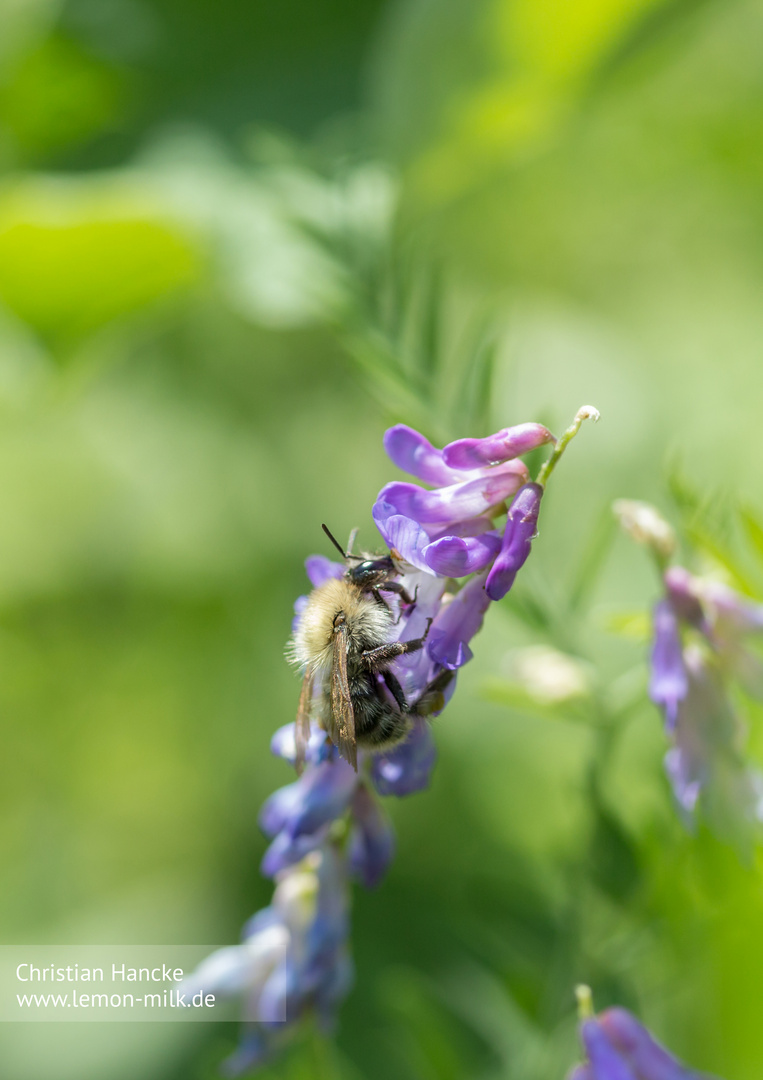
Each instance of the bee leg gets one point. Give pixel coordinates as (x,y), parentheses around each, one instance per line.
(393,685)
(377,660)
(402,592)
(432,698)
(380,599)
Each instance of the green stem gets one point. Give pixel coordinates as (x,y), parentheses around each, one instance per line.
(585,412)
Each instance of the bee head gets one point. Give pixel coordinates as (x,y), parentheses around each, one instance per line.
(366,573)
(370,572)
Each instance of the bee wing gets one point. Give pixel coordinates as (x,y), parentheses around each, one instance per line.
(343,714)
(302,723)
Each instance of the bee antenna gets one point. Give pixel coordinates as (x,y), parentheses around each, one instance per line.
(335,542)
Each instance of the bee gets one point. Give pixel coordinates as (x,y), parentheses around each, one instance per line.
(342,641)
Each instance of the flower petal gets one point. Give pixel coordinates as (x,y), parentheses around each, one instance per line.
(372,843)
(319,796)
(506,444)
(607,1063)
(456,556)
(299,606)
(681,588)
(414,454)
(651,1061)
(286,850)
(402,534)
(517,540)
(455,503)
(732,610)
(457,623)
(283,744)
(407,767)
(669,682)
(320,570)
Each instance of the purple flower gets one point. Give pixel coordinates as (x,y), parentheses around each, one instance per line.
(372,841)
(454,550)
(700,628)
(320,569)
(447,506)
(284,745)
(408,767)
(298,816)
(293,957)
(705,758)
(456,624)
(669,681)
(414,454)
(506,444)
(618,1047)
(517,540)
(329,825)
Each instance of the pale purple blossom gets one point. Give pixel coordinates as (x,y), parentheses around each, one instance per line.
(669,682)
(406,768)
(372,839)
(618,1047)
(293,958)
(700,642)
(456,624)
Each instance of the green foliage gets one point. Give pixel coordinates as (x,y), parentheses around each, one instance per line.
(70,264)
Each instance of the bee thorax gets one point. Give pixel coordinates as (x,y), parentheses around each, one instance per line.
(338,606)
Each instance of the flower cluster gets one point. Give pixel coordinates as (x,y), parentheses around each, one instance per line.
(700,632)
(618,1047)
(293,957)
(328,827)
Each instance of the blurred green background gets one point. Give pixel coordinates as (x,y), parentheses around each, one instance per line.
(239,239)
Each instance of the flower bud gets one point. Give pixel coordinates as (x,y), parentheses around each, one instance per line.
(517,540)
(645,525)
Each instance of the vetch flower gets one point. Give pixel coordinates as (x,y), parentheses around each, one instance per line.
(372,839)
(293,958)
(509,443)
(706,757)
(669,682)
(408,767)
(298,816)
(451,557)
(521,529)
(618,1047)
(456,623)
(701,628)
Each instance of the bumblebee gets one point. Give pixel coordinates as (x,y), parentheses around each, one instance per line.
(343,643)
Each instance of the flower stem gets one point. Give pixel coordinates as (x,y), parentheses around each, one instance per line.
(585,1001)
(585,412)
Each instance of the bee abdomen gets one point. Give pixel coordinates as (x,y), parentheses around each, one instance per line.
(378,723)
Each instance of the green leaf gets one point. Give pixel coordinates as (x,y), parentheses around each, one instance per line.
(753,530)
(71,262)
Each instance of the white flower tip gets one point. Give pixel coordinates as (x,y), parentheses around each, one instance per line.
(548,676)
(644,524)
(588,412)
(584,999)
